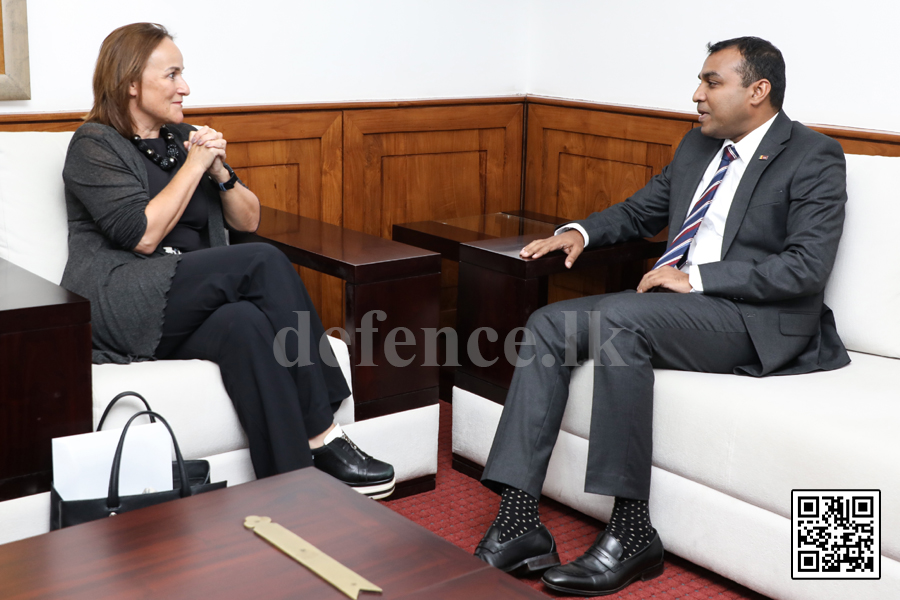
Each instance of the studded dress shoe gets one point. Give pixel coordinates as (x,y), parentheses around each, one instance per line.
(599,571)
(532,552)
(343,460)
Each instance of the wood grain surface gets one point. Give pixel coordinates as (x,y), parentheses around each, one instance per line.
(198,548)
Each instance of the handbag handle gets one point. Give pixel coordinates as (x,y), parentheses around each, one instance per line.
(116,399)
(112,500)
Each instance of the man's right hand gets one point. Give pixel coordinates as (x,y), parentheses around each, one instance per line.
(571,242)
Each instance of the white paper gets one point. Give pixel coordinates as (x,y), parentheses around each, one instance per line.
(82,463)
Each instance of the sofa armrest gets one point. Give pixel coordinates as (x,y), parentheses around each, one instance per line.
(381,275)
(45,376)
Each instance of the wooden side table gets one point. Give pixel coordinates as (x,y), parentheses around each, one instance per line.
(498,289)
(401,281)
(45,376)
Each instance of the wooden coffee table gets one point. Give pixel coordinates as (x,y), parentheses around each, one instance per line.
(198,548)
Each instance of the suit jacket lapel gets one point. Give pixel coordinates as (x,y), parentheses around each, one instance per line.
(694,170)
(770,147)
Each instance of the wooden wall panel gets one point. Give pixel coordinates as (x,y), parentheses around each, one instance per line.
(369,165)
(581,161)
(417,164)
(293,162)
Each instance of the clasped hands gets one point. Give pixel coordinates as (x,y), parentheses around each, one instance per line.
(571,242)
(208,145)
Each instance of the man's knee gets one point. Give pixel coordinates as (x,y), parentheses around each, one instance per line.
(617,310)
(547,321)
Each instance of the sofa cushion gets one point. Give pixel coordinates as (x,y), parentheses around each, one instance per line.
(863,299)
(34,230)
(757,439)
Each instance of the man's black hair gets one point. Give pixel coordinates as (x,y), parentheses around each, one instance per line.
(762,60)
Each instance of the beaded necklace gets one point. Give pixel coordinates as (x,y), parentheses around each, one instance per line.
(165,163)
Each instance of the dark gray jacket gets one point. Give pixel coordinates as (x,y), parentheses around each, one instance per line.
(106,193)
(780,241)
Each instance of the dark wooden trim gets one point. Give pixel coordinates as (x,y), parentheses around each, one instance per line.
(852,133)
(411,487)
(503,255)
(436,237)
(536,216)
(350,255)
(835,131)
(67,118)
(394,404)
(656,113)
(360,105)
(467,467)
(270,108)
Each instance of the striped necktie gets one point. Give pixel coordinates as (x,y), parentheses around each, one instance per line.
(677,251)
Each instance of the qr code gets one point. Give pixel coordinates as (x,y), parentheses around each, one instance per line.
(836,534)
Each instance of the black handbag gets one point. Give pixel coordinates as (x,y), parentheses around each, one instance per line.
(64,513)
(197,470)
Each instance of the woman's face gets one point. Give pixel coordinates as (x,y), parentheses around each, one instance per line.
(156,100)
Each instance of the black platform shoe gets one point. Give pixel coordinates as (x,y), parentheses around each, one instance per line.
(599,571)
(344,461)
(532,552)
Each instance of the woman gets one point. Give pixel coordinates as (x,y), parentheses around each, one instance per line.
(148,200)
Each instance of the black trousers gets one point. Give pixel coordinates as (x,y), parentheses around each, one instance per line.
(226,305)
(633,333)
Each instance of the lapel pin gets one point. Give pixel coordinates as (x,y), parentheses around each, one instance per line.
(763,157)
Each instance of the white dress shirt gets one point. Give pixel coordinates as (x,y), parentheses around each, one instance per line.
(706,246)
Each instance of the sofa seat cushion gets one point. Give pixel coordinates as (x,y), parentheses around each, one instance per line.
(758,439)
(191,397)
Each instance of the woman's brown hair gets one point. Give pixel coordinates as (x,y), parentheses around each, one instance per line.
(123,56)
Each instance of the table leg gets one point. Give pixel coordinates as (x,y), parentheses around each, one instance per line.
(500,302)
(379,387)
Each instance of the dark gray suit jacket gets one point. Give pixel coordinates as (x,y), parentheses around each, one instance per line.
(781,238)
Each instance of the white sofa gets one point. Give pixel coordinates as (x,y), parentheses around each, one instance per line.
(190,394)
(728,450)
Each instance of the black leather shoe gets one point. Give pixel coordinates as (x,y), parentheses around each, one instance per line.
(341,459)
(598,571)
(532,552)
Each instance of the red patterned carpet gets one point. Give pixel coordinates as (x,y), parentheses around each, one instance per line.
(461,509)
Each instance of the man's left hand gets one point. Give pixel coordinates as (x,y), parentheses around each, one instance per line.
(668,278)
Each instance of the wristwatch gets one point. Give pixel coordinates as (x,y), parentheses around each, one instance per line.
(224,187)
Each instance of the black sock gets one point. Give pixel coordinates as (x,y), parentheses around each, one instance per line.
(630,524)
(518,514)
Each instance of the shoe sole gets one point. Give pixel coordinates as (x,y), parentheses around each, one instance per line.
(376,491)
(535,564)
(645,575)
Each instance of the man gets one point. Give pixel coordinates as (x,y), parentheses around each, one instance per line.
(755,206)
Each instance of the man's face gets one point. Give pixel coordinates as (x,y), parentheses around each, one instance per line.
(722,101)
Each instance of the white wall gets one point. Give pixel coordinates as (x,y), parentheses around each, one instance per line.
(842,57)
(289,51)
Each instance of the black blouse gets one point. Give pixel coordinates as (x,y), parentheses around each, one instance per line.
(190,233)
